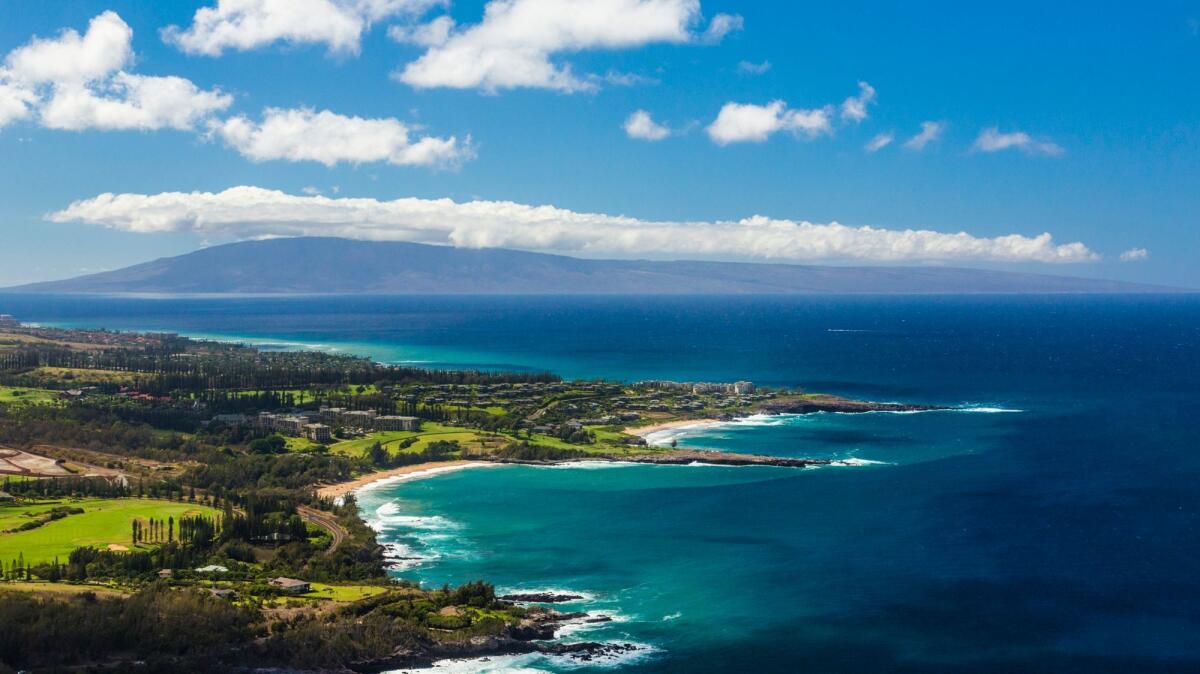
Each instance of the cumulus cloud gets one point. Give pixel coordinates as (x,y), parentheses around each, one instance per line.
(880,141)
(329,138)
(992,140)
(642,126)
(741,123)
(243,25)
(79,82)
(751,68)
(252,212)
(133,102)
(720,26)
(1135,255)
(15,102)
(517,42)
(930,131)
(854,108)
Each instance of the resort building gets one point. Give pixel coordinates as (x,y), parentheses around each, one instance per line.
(359,419)
(331,415)
(397,423)
(318,433)
(7,321)
(293,426)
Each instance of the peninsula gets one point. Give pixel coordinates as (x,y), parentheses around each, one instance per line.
(213,484)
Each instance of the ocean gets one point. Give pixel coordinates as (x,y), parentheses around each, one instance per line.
(1051,522)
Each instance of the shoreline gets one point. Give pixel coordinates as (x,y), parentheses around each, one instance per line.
(643,431)
(340,489)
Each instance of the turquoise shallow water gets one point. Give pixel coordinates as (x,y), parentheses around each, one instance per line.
(1060,537)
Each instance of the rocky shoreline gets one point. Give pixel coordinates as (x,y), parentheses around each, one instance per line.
(811,404)
(531,635)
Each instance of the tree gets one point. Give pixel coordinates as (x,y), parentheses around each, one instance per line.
(272,444)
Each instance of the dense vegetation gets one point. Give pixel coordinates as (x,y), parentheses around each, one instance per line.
(159,420)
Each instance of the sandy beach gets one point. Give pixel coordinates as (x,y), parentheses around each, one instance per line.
(643,431)
(342,488)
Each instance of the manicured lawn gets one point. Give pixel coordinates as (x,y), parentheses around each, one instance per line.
(429,433)
(34,396)
(300,444)
(343,592)
(104,522)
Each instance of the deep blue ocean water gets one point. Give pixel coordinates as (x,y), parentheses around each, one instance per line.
(1059,535)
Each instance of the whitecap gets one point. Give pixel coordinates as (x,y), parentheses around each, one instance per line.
(590,465)
(859,462)
(585,595)
(420,475)
(988,410)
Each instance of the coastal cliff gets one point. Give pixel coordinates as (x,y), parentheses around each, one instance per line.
(819,402)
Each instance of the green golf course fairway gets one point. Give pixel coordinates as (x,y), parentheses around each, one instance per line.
(103,522)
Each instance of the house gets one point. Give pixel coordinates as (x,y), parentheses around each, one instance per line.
(318,433)
(165,573)
(212,568)
(5,497)
(222,593)
(291,585)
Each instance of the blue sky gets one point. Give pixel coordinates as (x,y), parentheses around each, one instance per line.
(1047,119)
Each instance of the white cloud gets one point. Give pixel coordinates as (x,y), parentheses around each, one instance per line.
(132,102)
(854,108)
(329,138)
(429,34)
(880,141)
(516,43)
(15,102)
(642,126)
(720,26)
(74,59)
(992,140)
(930,131)
(1135,255)
(739,123)
(252,212)
(80,82)
(244,25)
(751,68)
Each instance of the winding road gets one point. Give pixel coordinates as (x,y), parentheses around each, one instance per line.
(327,522)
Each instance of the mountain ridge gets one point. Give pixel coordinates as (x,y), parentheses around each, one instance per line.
(326,265)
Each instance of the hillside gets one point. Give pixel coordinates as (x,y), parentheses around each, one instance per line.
(330,265)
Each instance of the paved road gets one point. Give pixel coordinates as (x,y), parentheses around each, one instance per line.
(328,523)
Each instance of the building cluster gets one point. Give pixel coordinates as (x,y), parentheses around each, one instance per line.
(318,425)
(699,388)
(7,321)
(514,395)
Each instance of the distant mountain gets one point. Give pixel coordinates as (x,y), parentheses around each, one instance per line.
(328,265)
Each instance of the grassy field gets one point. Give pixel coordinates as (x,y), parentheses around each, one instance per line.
(35,396)
(343,592)
(300,444)
(104,522)
(60,588)
(83,376)
(430,432)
